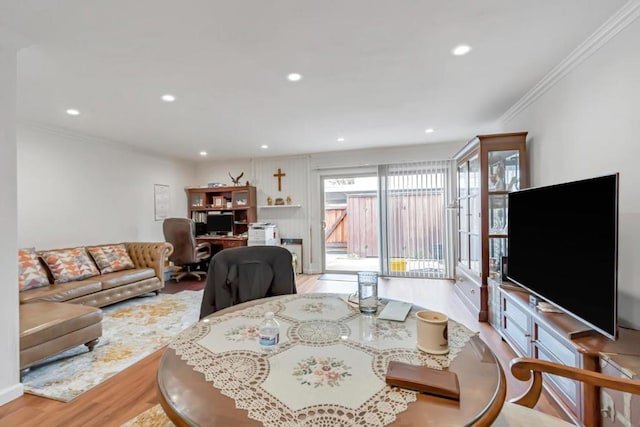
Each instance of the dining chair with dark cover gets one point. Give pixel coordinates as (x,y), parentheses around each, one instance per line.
(187,253)
(237,275)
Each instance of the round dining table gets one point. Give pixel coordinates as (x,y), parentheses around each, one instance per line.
(328,369)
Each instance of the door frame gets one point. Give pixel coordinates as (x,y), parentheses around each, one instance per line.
(356,172)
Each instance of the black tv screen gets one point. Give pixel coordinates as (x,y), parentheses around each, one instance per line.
(563,247)
(219,223)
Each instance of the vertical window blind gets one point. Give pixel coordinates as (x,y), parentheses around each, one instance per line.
(414,223)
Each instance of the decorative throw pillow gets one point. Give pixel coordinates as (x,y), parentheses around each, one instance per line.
(31,273)
(111,258)
(67,265)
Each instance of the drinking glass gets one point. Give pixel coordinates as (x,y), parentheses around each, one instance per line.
(368,291)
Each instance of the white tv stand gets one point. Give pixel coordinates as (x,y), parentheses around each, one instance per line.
(560,338)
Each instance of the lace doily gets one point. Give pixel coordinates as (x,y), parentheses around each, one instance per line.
(329,367)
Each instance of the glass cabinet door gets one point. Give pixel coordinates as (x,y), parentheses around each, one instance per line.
(463,214)
(474,175)
(504,170)
(197,200)
(498,214)
(463,180)
(240,199)
(497,249)
(475,223)
(504,177)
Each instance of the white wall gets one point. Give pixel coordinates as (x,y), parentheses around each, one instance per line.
(588,125)
(74,190)
(292,222)
(10,386)
(218,171)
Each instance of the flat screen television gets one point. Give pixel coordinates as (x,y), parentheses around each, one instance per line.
(220,224)
(563,247)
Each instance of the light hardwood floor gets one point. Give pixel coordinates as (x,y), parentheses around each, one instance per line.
(133,391)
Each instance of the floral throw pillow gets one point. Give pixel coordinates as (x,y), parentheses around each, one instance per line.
(111,258)
(31,274)
(67,265)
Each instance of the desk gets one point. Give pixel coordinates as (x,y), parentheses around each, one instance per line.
(329,370)
(223,241)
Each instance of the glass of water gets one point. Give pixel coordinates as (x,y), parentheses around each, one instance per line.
(368,291)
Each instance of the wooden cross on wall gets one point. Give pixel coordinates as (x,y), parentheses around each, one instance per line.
(279,175)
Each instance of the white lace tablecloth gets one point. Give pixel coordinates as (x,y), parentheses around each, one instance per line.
(329,368)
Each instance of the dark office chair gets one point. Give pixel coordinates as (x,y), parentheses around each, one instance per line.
(187,253)
(246,273)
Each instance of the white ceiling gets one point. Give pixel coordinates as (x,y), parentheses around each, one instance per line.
(376,72)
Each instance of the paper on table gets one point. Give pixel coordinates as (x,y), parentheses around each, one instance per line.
(395,310)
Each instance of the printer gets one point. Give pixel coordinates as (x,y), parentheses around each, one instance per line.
(263,234)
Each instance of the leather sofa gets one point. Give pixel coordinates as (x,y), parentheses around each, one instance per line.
(109,288)
(60,316)
(48,328)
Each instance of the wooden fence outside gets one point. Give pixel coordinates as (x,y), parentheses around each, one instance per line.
(416,231)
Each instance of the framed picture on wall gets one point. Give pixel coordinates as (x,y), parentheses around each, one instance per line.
(161,199)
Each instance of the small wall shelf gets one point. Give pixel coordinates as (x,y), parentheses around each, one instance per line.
(278,206)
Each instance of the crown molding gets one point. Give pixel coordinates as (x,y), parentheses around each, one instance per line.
(614,25)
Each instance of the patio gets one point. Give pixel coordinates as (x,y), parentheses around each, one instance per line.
(343,262)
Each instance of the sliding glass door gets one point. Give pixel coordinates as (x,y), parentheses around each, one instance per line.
(414,219)
(392,220)
(350,222)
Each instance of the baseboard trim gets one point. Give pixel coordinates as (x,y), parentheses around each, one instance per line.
(11,393)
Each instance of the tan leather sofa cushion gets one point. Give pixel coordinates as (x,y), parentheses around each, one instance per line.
(44,321)
(124,277)
(62,291)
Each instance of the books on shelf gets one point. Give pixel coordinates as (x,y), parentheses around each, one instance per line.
(199,216)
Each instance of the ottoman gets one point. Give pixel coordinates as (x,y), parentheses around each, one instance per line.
(48,328)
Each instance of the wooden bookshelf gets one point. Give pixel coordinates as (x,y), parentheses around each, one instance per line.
(238,201)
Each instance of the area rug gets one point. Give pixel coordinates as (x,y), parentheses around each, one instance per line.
(152,417)
(131,330)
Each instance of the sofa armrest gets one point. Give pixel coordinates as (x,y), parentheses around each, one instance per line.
(150,255)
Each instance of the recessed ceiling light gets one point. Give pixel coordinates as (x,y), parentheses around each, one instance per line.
(294,77)
(460,50)
(340,139)
(264,146)
(430,130)
(168,97)
(73,112)
(203,153)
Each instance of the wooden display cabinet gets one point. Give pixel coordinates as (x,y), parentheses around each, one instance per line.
(488,168)
(238,201)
